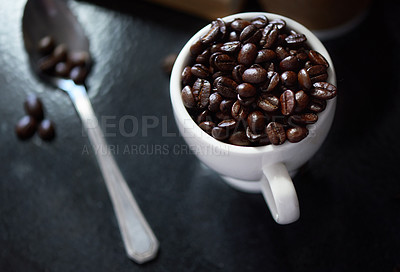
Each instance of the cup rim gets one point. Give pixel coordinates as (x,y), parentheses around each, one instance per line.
(181,112)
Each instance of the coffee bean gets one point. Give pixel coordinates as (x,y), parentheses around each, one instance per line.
(265,55)
(246,101)
(254,75)
(317,73)
(204,116)
(225,86)
(233,36)
(82,58)
(247,54)
(269,36)
(323,90)
(239,24)
(290,63)
(60,53)
(46,130)
(226,106)
(237,72)
(256,121)
(227,124)
(250,34)
(260,21)
(246,90)
(47,64)
(196,48)
(271,83)
(304,119)
(207,126)
(231,47)
(295,39)
(239,138)
(289,79)
(188,97)
(288,102)
(316,105)
(279,23)
(302,100)
(46,45)
(281,53)
(204,57)
(296,134)
(268,103)
(200,70)
(276,133)
(34,107)
(26,127)
(220,74)
(220,133)
(304,79)
(254,137)
(223,31)
(187,78)
(317,58)
(222,62)
(239,112)
(62,69)
(215,100)
(201,91)
(78,74)
(212,34)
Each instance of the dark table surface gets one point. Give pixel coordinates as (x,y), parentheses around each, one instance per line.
(55,213)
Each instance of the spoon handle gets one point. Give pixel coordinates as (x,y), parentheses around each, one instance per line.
(140,242)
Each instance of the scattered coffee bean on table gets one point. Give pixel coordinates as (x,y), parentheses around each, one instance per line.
(255,82)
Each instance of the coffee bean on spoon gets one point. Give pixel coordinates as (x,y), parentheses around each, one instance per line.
(78,74)
(34,107)
(26,127)
(46,130)
(46,45)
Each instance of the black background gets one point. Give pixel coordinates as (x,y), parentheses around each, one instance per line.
(55,213)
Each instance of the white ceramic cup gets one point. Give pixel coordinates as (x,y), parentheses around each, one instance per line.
(255,169)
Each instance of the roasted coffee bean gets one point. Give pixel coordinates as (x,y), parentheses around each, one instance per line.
(247,54)
(26,127)
(270,67)
(289,79)
(220,133)
(317,73)
(307,65)
(231,47)
(302,100)
(237,72)
(279,23)
(304,119)
(207,126)
(239,112)
(254,75)
(233,36)
(222,62)
(295,39)
(223,115)
(62,69)
(288,102)
(219,74)
(216,48)
(271,83)
(290,63)
(227,124)
(268,103)
(239,138)
(269,36)
(265,55)
(316,105)
(281,53)
(196,48)
(60,53)
(204,57)
(302,57)
(239,24)
(46,45)
(246,101)
(187,78)
(225,86)
(212,33)
(296,134)
(256,121)
(222,28)
(260,21)
(200,71)
(78,74)
(47,64)
(246,90)
(46,130)
(34,107)
(323,90)
(317,58)
(204,116)
(226,106)
(276,133)
(188,97)
(82,58)
(250,34)
(215,100)
(304,79)
(254,137)
(201,91)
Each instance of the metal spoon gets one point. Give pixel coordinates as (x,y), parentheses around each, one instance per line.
(53,17)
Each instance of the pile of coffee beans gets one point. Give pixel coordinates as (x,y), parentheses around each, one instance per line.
(58,61)
(255,82)
(34,121)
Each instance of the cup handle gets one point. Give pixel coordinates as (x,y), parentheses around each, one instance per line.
(280,194)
